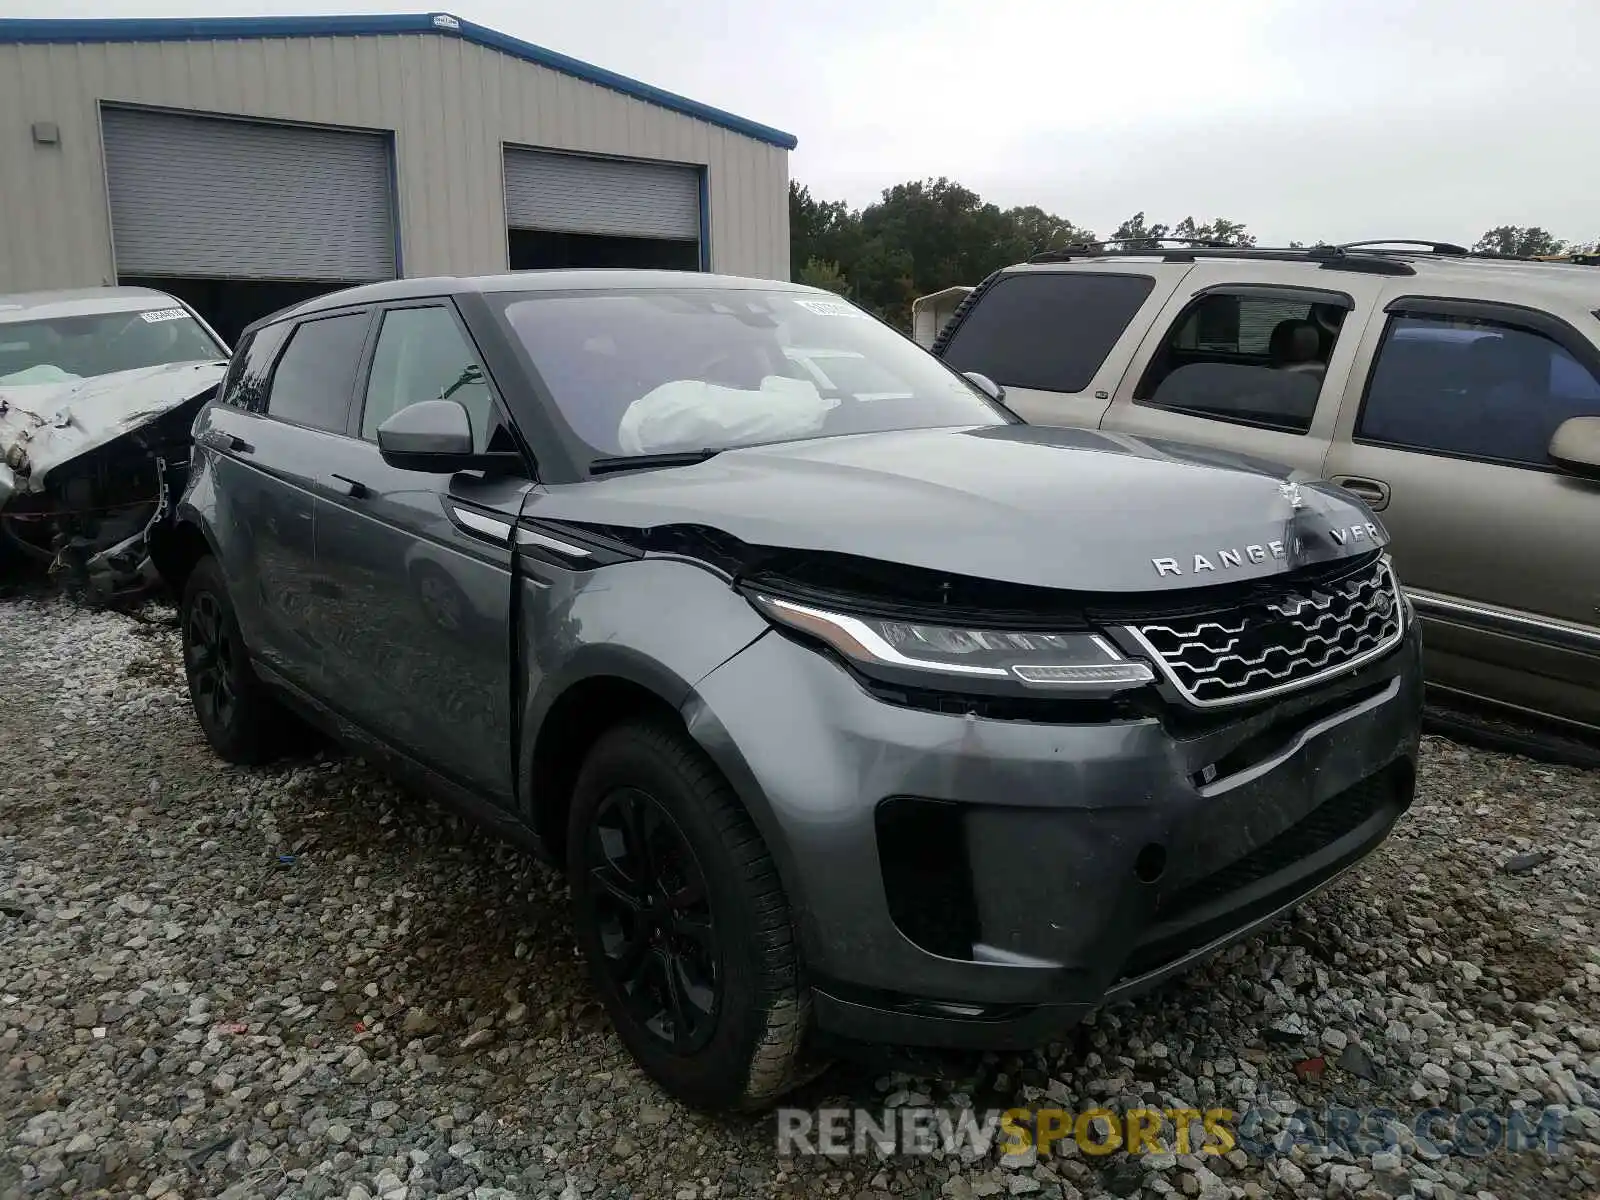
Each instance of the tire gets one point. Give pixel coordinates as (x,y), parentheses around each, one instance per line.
(241,720)
(720,913)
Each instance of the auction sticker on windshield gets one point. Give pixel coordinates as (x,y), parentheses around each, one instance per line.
(831,308)
(163,314)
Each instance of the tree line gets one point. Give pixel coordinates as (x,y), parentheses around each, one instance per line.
(930,234)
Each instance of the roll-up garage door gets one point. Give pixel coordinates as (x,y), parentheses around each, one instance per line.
(569,193)
(208,197)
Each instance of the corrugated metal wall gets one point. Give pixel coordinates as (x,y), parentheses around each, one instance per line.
(451,105)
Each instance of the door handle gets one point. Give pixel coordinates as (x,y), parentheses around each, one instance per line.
(353,488)
(1373,492)
(217,439)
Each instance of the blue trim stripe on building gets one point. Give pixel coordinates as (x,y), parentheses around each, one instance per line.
(183,29)
(705,218)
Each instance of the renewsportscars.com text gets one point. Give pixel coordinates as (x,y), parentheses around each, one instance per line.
(1214,1131)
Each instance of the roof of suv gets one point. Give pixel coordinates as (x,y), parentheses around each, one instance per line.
(565,279)
(1490,276)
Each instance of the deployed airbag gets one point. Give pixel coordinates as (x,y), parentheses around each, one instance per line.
(690,413)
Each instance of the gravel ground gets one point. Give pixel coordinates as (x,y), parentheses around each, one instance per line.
(299,982)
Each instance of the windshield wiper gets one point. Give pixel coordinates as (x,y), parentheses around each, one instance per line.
(643,462)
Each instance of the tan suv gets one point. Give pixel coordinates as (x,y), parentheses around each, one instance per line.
(1458,395)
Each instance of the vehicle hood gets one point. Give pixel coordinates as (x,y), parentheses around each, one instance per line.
(43,425)
(1070,509)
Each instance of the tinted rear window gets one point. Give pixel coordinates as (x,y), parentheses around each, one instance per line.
(1047,330)
(313,380)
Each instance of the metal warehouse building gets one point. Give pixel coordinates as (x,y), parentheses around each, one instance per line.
(244,164)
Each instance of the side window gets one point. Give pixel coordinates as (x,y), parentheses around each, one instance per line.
(1048,330)
(1249,358)
(423,355)
(246,383)
(229,392)
(312,383)
(1473,388)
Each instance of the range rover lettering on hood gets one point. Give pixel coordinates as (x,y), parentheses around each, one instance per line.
(1261,551)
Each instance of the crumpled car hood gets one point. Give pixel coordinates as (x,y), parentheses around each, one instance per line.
(1072,509)
(45,425)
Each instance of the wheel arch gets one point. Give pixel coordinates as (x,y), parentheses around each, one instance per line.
(560,732)
(176,548)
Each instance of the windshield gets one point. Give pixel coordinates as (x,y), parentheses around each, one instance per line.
(64,349)
(653,371)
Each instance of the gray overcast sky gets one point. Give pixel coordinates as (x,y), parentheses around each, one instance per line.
(1336,120)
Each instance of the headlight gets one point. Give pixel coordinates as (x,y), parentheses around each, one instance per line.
(1063,661)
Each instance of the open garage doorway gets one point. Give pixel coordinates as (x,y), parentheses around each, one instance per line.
(228,305)
(538,249)
(574,210)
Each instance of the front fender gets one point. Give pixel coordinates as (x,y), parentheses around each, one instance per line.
(662,624)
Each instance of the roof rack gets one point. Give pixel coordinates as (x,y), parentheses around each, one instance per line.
(1149,239)
(1331,258)
(1431,247)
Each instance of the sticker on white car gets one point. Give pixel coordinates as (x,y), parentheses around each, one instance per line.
(831,308)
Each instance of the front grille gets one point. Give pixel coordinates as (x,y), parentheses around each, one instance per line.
(1295,638)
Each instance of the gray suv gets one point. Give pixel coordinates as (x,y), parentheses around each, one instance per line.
(855,709)
(1458,395)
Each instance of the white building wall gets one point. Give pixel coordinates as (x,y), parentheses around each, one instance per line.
(450,104)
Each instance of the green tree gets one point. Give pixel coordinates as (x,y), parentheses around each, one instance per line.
(821,273)
(1229,233)
(1037,230)
(925,235)
(824,230)
(1135,230)
(1519,241)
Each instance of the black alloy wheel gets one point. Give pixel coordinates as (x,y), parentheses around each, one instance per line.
(683,921)
(653,915)
(242,721)
(212,659)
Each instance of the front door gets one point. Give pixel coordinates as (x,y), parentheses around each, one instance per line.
(1499,547)
(418,625)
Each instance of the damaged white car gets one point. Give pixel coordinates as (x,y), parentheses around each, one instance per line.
(98,390)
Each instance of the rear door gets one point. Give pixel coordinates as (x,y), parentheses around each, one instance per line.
(418,622)
(275,437)
(1250,357)
(1058,339)
(1453,406)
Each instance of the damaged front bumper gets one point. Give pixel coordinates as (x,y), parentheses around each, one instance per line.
(89,471)
(968,882)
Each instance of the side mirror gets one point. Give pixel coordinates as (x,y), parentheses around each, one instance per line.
(987,386)
(430,435)
(1576,446)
